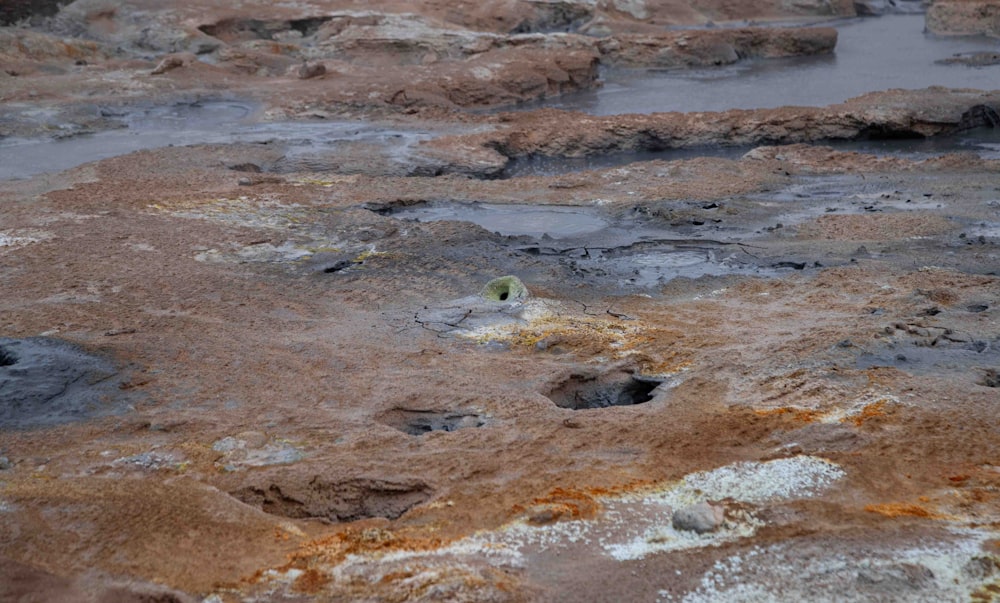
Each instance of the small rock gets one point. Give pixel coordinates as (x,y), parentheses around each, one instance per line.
(171,62)
(307,71)
(5,463)
(545,514)
(701,518)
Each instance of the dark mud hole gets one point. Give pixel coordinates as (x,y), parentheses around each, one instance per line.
(585,390)
(336,501)
(45,382)
(420,422)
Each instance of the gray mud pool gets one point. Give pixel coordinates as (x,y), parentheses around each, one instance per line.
(872,54)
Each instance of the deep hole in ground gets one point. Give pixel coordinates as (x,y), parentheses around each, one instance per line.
(343,500)
(339,266)
(419,422)
(583,391)
(7,358)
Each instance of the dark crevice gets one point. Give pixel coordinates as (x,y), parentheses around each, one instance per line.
(7,358)
(979,116)
(230,30)
(308,26)
(339,266)
(884,133)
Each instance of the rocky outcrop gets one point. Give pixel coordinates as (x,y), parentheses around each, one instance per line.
(891,114)
(137,29)
(20,46)
(964,17)
(697,48)
(403,57)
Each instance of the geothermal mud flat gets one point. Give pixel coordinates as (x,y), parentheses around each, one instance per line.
(433,301)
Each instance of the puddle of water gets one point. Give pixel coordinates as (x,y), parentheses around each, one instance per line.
(984,142)
(557,222)
(872,54)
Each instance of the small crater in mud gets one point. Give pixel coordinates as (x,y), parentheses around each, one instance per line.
(7,358)
(346,500)
(339,266)
(583,391)
(419,422)
(991,378)
(977,308)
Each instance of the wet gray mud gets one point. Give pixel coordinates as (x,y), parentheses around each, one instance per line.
(557,222)
(938,355)
(746,235)
(877,53)
(343,147)
(45,382)
(589,244)
(346,147)
(588,390)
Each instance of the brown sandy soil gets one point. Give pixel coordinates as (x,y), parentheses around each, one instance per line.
(312,399)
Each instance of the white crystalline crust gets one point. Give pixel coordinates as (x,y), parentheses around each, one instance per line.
(919,572)
(631,526)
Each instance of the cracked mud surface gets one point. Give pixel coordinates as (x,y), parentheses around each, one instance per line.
(259,339)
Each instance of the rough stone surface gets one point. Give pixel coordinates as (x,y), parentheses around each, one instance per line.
(895,113)
(701,518)
(715,47)
(964,17)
